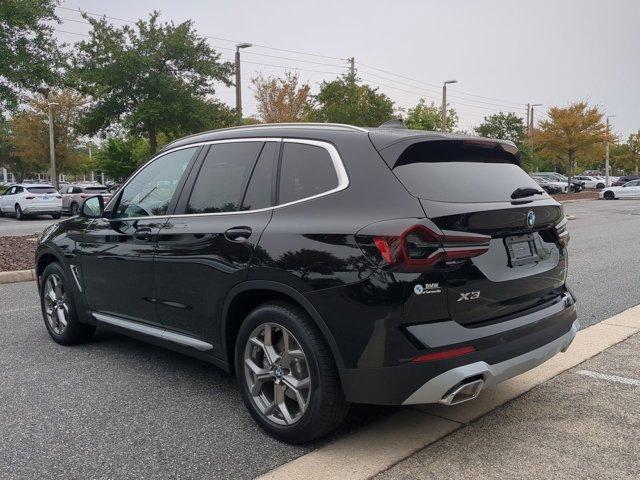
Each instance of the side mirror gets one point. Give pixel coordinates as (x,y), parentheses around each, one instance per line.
(92,207)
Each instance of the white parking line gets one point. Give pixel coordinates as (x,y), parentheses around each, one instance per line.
(610,378)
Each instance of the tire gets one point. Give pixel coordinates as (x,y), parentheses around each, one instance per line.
(599,186)
(56,281)
(74,210)
(609,195)
(1,213)
(19,214)
(313,365)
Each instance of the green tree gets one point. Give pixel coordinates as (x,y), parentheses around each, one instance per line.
(29,55)
(344,100)
(119,156)
(503,126)
(429,117)
(152,79)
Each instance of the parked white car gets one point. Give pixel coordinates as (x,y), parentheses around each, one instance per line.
(25,199)
(628,190)
(591,182)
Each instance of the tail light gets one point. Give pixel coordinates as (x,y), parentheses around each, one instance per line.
(444,354)
(563,234)
(558,233)
(418,246)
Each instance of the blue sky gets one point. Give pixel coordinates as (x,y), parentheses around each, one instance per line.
(503,53)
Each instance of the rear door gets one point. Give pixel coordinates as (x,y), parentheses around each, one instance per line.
(503,252)
(204,249)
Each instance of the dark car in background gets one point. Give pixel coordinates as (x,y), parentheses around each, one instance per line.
(624,179)
(576,185)
(324,265)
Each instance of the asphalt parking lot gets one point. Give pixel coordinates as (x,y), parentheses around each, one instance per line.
(119,408)
(9,226)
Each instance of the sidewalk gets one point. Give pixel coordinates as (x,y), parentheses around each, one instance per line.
(583,423)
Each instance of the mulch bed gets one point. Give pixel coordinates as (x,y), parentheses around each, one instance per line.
(17,252)
(583,195)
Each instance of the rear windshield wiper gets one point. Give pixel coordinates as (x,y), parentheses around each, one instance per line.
(522,192)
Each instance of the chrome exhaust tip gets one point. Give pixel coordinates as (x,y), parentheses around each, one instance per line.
(463,393)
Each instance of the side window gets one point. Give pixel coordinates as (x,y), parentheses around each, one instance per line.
(306,170)
(223,177)
(259,190)
(151,190)
(18,190)
(76,190)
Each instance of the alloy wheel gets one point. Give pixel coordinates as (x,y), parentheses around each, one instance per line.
(56,306)
(277,374)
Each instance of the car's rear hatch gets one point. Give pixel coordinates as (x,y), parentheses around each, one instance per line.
(42,196)
(476,188)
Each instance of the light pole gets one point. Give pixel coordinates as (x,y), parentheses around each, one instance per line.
(531,119)
(444,103)
(238,86)
(52,148)
(606,154)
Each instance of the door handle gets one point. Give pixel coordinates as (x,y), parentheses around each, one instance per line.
(143,233)
(238,234)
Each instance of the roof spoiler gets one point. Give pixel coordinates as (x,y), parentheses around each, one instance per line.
(395,123)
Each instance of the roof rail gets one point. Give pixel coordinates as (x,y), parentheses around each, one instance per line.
(297,124)
(273,125)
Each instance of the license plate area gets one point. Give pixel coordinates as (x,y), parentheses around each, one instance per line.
(521,250)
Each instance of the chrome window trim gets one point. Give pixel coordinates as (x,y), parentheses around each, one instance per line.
(338,165)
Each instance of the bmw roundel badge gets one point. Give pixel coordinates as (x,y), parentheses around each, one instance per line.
(531,218)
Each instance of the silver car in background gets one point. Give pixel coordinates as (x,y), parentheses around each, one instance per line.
(74,195)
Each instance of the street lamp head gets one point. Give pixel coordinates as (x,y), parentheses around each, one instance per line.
(446,82)
(243,45)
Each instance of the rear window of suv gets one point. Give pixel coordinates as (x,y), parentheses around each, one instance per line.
(96,189)
(446,171)
(41,190)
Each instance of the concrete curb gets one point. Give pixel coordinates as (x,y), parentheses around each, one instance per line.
(17,276)
(579,200)
(378,447)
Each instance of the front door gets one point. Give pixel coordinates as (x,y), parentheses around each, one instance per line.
(117,251)
(205,250)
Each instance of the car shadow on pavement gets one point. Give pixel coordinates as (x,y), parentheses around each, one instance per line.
(194,370)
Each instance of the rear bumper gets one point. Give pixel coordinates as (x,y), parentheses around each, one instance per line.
(436,389)
(504,350)
(41,209)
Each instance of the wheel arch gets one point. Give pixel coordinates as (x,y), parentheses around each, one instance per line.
(45,257)
(248,295)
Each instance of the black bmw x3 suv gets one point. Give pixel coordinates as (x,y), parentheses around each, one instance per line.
(324,265)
